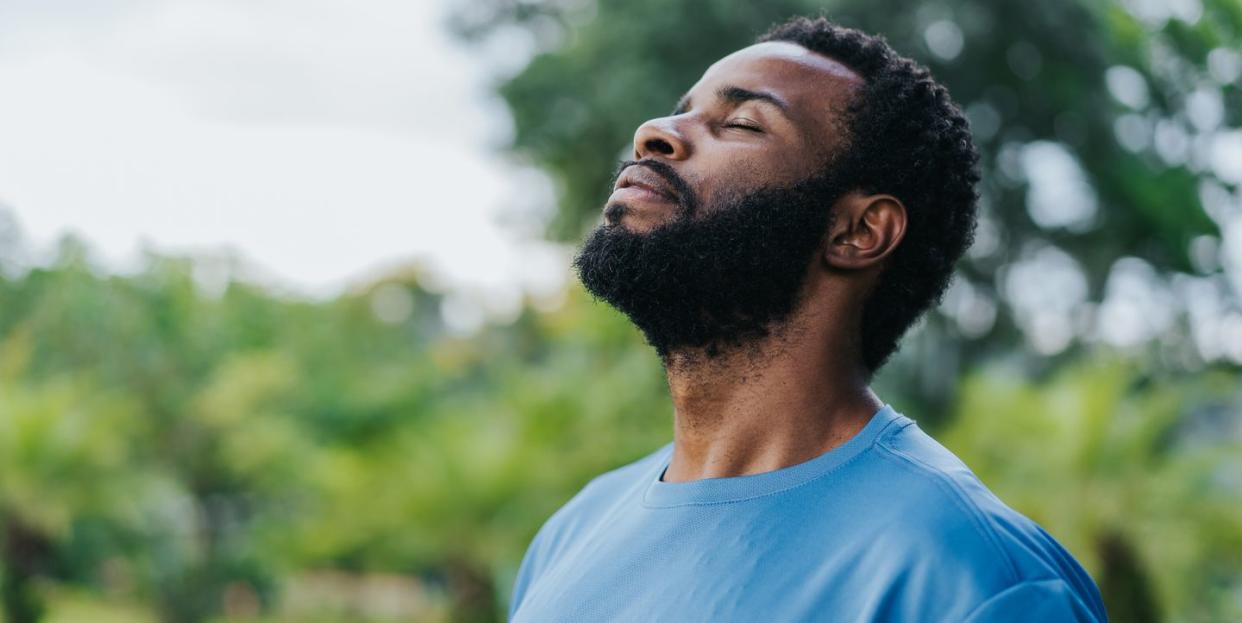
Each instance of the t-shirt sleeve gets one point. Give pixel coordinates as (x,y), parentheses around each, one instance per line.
(1044,601)
(525,573)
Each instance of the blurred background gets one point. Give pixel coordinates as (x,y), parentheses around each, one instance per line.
(288,333)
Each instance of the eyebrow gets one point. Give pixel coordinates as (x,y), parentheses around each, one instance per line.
(737,95)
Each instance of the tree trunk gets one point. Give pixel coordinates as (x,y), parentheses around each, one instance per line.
(1124,582)
(24,553)
(471,591)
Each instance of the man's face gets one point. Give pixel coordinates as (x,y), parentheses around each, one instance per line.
(710,230)
(766,115)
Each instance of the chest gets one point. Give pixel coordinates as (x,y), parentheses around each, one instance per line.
(740,565)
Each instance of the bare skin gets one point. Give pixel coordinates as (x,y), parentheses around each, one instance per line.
(803,390)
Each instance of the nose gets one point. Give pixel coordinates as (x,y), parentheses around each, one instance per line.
(661,137)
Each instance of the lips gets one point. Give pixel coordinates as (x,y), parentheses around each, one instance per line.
(642,177)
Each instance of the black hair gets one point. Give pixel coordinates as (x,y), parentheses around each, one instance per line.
(906,138)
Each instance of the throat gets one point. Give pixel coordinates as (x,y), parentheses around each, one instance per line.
(751,411)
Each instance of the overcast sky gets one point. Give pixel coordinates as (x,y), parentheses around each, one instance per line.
(321,139)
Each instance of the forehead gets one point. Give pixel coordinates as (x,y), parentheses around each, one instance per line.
(784,59)
(815,86)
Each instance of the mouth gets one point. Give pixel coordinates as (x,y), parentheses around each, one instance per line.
(640,182)
(639,192)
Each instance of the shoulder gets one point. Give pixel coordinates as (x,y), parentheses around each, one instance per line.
(1037,601)
(960,520)
(604,490)
(582,512)
(953,507)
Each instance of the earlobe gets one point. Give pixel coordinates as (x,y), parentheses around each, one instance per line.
(865,229)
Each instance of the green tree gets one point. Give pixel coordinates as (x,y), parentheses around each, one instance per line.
(64,459)
(228,397)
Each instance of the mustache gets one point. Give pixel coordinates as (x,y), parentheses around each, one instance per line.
(685,194)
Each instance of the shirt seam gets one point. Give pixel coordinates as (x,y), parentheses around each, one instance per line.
(1010,588)
(942,480)
(861,451)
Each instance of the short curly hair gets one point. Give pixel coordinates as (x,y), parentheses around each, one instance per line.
(906,138)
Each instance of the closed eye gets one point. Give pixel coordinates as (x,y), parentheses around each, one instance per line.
(743,126)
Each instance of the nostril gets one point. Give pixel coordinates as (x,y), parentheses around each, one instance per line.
(660,146)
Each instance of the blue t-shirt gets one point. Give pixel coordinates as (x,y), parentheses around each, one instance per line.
(889,526)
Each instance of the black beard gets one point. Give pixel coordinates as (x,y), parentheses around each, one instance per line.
(714,282)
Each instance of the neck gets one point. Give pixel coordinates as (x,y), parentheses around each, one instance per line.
(778,402)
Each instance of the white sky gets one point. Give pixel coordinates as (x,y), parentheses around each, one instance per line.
(321,139)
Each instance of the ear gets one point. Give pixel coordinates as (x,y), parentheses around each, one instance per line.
(865,229)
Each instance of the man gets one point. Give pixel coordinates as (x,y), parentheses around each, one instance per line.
(773,238)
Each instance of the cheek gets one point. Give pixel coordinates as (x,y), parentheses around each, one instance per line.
(733,178)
